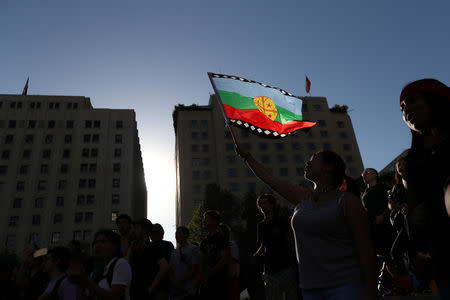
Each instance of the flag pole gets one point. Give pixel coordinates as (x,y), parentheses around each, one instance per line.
(227,120)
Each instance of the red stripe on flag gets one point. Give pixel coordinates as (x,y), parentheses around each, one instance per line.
(256,118)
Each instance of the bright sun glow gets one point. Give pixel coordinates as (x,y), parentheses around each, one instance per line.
(160,180)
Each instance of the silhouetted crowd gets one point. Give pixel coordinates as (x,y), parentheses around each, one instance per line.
(338,243)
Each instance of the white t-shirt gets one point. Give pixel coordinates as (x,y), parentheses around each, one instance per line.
(66,290)
(121,276)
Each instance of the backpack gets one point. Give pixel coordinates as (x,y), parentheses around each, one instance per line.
(54,294)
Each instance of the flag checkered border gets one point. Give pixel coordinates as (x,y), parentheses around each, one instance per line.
(252,81)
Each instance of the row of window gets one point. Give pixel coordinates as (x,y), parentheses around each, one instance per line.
(69,124)
(55,237)
(46,153)
(199,124)
(278,146)
(62,184)
(37,105)
(80,201)
(49,139)
(64,168)
(57,219)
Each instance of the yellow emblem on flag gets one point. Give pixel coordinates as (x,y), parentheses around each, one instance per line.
(266,106)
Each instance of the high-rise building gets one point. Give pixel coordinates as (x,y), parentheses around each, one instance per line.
(204,151)
(66,169)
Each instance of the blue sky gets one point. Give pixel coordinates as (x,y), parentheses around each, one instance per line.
(152,55)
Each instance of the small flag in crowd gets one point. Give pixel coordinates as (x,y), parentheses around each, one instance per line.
(34,239)
(307,84)
(25,88)
(262,109)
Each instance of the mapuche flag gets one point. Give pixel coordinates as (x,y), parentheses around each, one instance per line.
(262,109)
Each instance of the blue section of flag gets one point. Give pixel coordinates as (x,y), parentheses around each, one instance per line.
(253,90)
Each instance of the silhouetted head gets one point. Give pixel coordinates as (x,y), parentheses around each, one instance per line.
(142,228)
(182,234)
(106,244)
(124,223)
(266,203)
(211,219)
(157,232)
(326,166)
(57,258)
(370,175)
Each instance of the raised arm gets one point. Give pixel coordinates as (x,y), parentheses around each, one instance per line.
(291,192)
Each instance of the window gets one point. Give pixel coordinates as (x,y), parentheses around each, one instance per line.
(29,138)
(349,159)
(206,161)
(343,135)
(195,174)
(251,186)
(69,124)
(32,124)
(23,169)
(195,162)
(87,234)
(50,105)
(95,138)
(36,220)
(194,124)
(90,199)
(10,240)
(119,124)
(321,123)
(196,189)
(64,168)
(77,235)
(91,183)
(231,159)
(281,158)
(51,124)
(115,199)
(62,184)
(88,124)
(69,105)
(46,153)
(78,217)
(17,203)
(323,133)
(194,148)
(262,146)
(39,202)
(233,187)
(116,167)
(83,168)
(229,146)
(309,135)
(94,152)
(96,124)
(204,124)
(82,183)
(20,186)
(5,154)
(194,135)
(340,124)
(114,215)
(116,183)
(75,105)
(3,170)
(317,107)
(49,139)
(304,107)
(207,174)
(311,146)
(66,153)
(19,104)
(118,139)
(57,218)
(117,152)
(44,169)
(42,184)
(80,199)
(326,146)
(265,159)
(279,146)
(205,148)
(12,124)
(346,147)
(92,168)
(59,201)
(283,171)
(87,138)
(232,172)
(85,152)
(300,171)
(26,154)
(88,217)
(14,221)
(55,237)
(249,172)
(9,139)
(204,135)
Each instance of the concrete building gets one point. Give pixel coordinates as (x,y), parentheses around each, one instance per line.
(66,169)
(204,151)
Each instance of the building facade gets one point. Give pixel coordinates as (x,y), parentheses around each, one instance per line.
(204,151)
(66,170)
